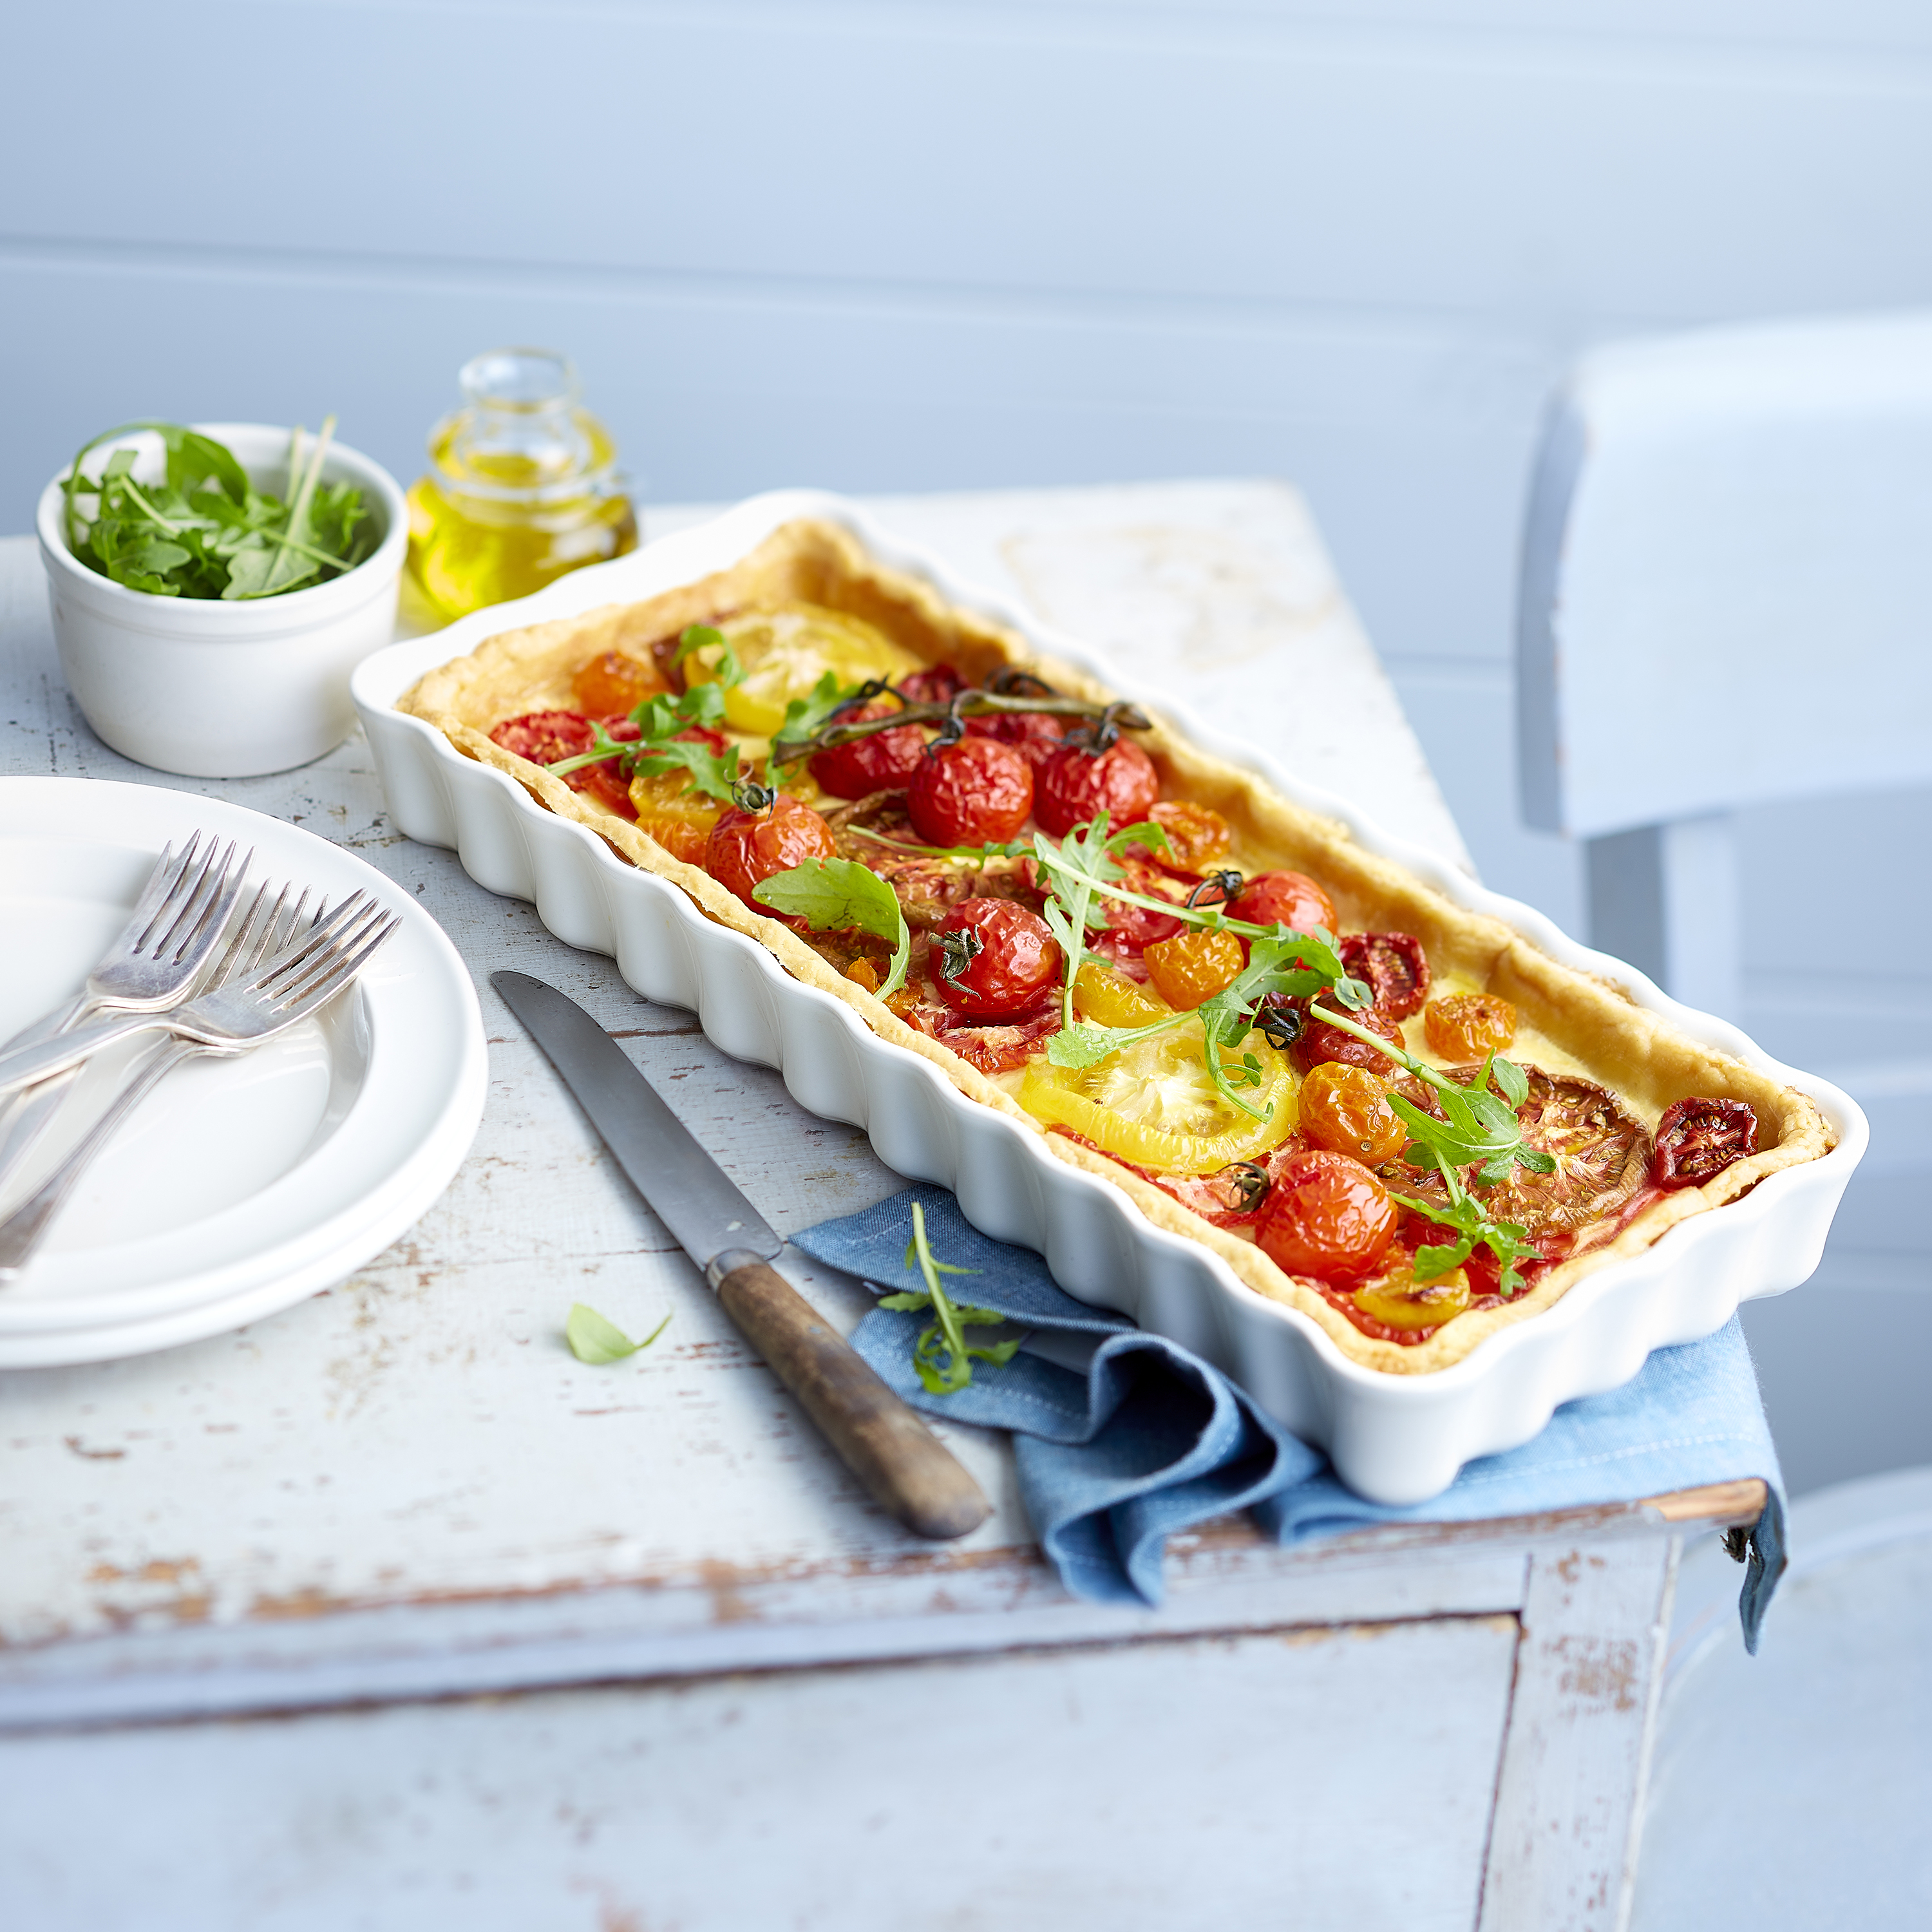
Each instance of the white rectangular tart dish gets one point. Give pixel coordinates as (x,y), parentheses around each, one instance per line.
(1395,1437)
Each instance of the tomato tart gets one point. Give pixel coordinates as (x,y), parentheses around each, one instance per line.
(1384,1109)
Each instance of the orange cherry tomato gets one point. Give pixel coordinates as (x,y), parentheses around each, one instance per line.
(1291,899)
(1194,966)
(1463,1027)
(1326,1216)
(1346,1109)
(1198,836)
(975,791)
(678,816)
(1075,784)
(617,682)
(746,846)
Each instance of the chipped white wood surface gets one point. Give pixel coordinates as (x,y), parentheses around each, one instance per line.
(1310,1779)
(1563,1844)
(407,1489)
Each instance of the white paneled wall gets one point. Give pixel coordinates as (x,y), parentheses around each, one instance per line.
(912,244)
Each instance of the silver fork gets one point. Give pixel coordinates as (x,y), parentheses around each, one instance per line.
(257,940)
(249,1009)
(158,959)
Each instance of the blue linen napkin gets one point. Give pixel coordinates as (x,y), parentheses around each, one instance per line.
(1150,1439)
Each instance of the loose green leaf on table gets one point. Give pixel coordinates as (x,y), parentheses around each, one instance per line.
(596,1340)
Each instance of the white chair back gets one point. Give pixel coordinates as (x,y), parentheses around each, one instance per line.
(1726,600)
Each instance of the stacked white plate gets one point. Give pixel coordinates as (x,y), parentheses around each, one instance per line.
(240,1185)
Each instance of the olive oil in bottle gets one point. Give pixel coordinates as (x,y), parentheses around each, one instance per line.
(523,487)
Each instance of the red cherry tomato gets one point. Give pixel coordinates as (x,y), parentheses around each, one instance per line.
(1038,734)
(1076,784)
(939,685)
(744,846)
(1320,1043)
(975,791)
(1393,966)
(1696,1140)
(1484,1271)
(992,959)
(608,782)
(881,761)
(1326,1216)
(544,736)
(1291,899)
(1132,928)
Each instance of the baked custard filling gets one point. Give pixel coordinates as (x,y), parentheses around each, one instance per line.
(1392,1113)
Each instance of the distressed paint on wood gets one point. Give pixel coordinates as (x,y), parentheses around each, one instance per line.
(1563,1844)
(1141,1788)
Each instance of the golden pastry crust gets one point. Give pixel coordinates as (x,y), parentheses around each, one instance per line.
(1569,1020)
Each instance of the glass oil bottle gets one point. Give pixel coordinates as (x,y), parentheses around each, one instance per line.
(523,487)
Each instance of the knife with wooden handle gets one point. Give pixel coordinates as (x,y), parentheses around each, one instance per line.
(903,1465)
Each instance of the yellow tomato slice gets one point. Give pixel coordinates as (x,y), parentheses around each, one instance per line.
(1113,999)
(1153,1103)
(784,653)
(1399,1299)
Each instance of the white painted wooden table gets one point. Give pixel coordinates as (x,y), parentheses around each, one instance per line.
(389,1612)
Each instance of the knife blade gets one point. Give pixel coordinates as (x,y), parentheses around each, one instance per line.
(903,1465)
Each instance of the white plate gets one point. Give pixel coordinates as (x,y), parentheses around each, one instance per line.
(1397,1438)
(239,1186)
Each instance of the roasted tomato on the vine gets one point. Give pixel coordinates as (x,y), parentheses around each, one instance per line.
(1035,734)
(1346,1108)
(1326,1216)
(1468,1026)
(1320,1043)
(1291,899)
(1696,1140)
(1192,967)
(879,761)
(1393,967)
(992,959)
(974,791)
(746,846)
(940,685)
(1075,784)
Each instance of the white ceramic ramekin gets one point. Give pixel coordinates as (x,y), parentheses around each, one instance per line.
(215,690)
(1395,1438)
